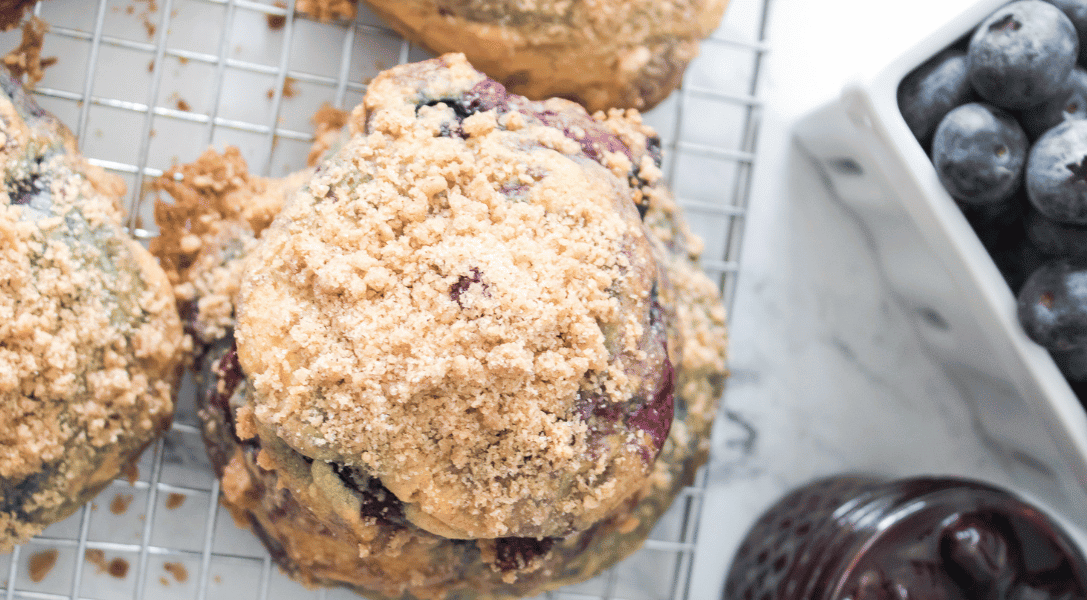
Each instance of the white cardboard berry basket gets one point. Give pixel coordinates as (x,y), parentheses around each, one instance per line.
(963,311)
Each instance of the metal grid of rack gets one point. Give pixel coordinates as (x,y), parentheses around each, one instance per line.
(145,84)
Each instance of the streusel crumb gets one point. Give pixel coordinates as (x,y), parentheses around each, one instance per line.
(432,308)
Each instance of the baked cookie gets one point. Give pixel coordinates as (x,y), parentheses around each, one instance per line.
(474,356)
(606,54)
(90,341)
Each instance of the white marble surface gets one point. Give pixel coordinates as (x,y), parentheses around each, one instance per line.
(826,370)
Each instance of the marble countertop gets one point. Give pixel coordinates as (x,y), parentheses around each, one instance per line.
(827,374)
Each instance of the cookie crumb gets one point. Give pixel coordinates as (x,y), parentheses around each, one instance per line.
(118,568)
(97,558)
(178,570)
(276,22)
(163,581)
(119,505)
(27,59)
(175,500)
(131,472)
(327,123)
(327,10)
(289,89)
(11,12)
(145,17)
(41,563)
(183,105)
(217,579)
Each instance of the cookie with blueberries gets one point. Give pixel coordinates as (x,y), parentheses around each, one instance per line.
(473,355)
(604,54)
(90,340)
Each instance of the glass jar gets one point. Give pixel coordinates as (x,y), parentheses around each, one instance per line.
(862,538)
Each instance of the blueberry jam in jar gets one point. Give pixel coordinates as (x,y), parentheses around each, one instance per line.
(861,538)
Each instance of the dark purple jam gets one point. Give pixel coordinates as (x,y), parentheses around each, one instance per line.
(377,502)
(594,138)
(946,539)
(463,283)
(655,416)
(513,553)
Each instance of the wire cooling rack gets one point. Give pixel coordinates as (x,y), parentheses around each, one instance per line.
(145,84)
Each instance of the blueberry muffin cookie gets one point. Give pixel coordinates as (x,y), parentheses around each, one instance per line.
(614,53)
(473,354)
(90,341)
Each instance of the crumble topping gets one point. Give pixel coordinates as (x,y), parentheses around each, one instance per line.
(431,307)
(219,210)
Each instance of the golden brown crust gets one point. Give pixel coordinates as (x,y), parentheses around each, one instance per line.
(609,54)
(90,342)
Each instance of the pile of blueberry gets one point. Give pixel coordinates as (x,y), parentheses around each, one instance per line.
(1003,115)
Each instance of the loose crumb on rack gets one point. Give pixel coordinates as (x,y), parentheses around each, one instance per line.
(131,472)
(327,10)
(118,568)
(41,563)
(178,570)
(327,123)
(290,90)
(97,558)
(276,22)
(27,59)
(119,505)
(145,16)
(175,500)
(12,11)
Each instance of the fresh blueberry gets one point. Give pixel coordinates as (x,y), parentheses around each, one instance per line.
(1056,173)
(1076,11)
(1053,306)
(1022,54)
(930,91)
(979,151)
(1055,238)
(1070,104)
